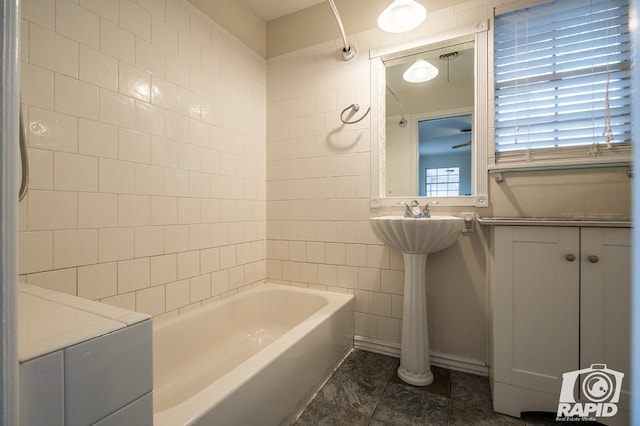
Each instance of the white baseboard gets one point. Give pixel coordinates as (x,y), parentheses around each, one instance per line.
(451,362)
(377,346)
(457,363)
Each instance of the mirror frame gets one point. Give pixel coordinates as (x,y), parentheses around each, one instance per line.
(478,32)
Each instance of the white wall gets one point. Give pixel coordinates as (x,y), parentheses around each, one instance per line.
(239,19)
(146,130)
(319,189)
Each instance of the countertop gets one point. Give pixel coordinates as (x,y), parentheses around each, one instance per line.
(553,221)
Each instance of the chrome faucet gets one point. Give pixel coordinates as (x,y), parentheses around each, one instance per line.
(413,210)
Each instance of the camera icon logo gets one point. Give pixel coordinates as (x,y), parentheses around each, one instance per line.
(598,385)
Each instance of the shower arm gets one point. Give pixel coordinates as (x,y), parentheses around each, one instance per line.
(403,121)
(348,52)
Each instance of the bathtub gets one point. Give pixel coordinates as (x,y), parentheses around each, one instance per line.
(255,358)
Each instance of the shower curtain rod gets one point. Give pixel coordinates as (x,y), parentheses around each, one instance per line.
(348,52)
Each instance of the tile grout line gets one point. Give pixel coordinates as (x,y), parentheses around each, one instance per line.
(386,384)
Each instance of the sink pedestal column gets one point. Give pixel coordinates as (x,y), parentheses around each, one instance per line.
(415,361)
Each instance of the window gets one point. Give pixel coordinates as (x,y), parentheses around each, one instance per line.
(563,82)
(442,181)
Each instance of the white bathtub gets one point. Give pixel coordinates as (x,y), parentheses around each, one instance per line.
(252,359)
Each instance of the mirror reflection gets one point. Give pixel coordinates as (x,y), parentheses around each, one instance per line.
(429,106)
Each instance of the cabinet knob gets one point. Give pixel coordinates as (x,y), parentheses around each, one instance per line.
(570,257)
(593,259)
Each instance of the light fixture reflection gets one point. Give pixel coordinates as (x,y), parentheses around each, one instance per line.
(420,72)
(401,16)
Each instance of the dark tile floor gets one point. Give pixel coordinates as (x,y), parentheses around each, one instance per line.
(365,390)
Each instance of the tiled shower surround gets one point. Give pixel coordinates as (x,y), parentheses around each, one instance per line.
(146,129)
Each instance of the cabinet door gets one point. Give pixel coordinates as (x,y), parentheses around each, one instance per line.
(536,312)
(605,316)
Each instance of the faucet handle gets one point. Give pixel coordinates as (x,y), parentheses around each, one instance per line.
(425,211)
(407,209)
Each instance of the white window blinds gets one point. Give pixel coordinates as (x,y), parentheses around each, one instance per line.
(562,79)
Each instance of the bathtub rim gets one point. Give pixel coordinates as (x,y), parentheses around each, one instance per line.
(196,406)
(244,292)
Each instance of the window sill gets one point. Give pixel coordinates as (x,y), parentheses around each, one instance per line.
(618,155)
(498,170)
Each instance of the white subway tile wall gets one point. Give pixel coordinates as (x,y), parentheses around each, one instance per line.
(318,181)
(146,129)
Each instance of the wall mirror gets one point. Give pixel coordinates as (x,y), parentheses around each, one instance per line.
(429,138)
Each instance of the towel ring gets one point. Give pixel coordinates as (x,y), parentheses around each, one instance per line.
(355,108)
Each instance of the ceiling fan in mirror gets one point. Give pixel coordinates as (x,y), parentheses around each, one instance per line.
(462,145)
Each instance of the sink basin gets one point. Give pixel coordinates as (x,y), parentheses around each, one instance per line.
(416,238)
(417,235)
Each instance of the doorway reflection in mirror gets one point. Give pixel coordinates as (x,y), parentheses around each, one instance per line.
(444,148)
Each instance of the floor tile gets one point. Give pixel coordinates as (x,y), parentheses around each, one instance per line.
(320,413)
(471,389)
(369,363)
(365,390)
(471,402)
(357,385)
(464,413)
(354,391)
(405,405)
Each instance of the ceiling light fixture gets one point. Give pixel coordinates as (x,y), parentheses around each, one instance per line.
(420,72)
(401,16)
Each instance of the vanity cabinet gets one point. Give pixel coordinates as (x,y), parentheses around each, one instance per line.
(561,302)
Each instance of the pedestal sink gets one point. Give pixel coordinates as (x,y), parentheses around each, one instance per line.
(416,238)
